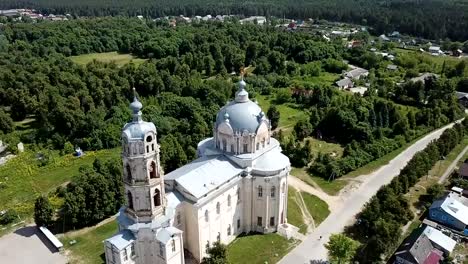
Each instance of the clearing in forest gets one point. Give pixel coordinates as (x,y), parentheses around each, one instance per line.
(117,58)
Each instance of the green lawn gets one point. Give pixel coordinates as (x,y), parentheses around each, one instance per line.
(259,249)
(289,113)
(23,180)
(119,59)
(89,247)
(324,147)
(317,208)
(294,212)
(325,78)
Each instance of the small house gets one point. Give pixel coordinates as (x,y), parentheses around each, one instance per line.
(435,50)
(462,99)
(345,83)
(425,245)
(357,73)
(450,212)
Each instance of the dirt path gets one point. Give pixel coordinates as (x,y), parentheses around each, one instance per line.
(452,166)
(332,201)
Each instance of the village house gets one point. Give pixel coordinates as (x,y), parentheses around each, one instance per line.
(462,99)
(425,245)
(344,83)
(435,50)
(356,73)
(451,211)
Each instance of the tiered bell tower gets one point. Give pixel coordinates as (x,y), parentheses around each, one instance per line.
(143,177)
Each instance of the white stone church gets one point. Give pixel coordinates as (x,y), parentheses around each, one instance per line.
(238,184)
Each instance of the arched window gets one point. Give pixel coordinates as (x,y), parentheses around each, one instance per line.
(229,200)
(246,147)
(283,188)
(173,245)
(130,200)
(147,149)
(152,170)
(263,142)
(224,144)
(238,195)
(129,173)
(260,191)
(218,208)
(232,147)
(258,145)
(157,197)
(207,216)
(218,238)
(273,191)
(229,230)
(152,147)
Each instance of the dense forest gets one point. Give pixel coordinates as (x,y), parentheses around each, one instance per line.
(187,77)
(434,19)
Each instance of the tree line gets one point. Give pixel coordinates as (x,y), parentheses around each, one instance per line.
(184,81)
(433,19)
(93,195)
(379,225)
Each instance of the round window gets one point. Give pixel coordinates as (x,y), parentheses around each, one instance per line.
(149,138)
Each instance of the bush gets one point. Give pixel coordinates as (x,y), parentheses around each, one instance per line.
(8,217)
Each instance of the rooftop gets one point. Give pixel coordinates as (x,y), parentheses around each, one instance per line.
(204,174)
(439,238)
(122,239)
(452,205)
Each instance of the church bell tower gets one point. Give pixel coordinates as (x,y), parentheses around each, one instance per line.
(142,174)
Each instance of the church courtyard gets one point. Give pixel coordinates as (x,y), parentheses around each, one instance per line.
(28,245)
(260,248)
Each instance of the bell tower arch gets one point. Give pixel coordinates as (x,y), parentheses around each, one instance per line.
(143,177)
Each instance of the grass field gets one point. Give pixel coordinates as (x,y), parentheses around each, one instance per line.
(23,173)
(317,208)
(294,212)
(325,78)
(119,59)
(289,113)
(89,247)
(259,249)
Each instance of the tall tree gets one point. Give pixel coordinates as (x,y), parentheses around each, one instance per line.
(341,248)
(43,211)
(217,254)
(274,116)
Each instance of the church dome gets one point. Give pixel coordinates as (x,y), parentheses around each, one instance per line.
(137,129)
(242,114)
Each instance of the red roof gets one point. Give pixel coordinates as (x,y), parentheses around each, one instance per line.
(434,257)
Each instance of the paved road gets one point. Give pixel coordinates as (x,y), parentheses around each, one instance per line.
(312,248)
(452,166)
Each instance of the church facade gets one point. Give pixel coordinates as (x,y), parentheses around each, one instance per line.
(238,184)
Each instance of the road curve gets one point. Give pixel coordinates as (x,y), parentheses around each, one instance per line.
(312,248)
